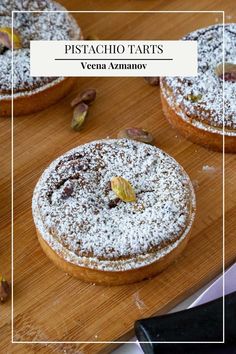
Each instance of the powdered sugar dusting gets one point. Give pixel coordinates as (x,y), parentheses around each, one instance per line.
(31,26)
(73,211)
(199,100)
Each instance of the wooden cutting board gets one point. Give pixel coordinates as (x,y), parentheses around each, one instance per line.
(48,304)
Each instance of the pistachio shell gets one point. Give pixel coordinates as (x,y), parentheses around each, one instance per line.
(137,134)
(229,74)
(87,96)
(4,289)
(123,189)
(6,38)
(79,115)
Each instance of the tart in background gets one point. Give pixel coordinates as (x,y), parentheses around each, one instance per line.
(194,105)
(32,94)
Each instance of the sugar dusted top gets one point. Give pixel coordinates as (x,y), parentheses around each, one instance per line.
(31,26)
(79,215)
(199,99)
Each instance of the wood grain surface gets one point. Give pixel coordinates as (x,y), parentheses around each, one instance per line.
(48,304)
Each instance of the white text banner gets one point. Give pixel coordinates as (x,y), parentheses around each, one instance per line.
(113,58)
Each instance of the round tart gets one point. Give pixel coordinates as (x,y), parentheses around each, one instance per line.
(90,233)
(32,93)
(194,105)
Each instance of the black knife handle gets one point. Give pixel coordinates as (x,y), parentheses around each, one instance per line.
(202,323)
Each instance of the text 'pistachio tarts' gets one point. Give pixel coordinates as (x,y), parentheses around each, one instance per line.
(113,211)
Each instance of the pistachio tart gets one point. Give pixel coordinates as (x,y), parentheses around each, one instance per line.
(31,94)
(203,108)
(113,211)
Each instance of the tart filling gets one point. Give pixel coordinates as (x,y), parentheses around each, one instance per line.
(78,214)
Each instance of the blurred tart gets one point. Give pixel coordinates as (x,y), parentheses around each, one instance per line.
(194,105)
(32,93)
(92,234)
